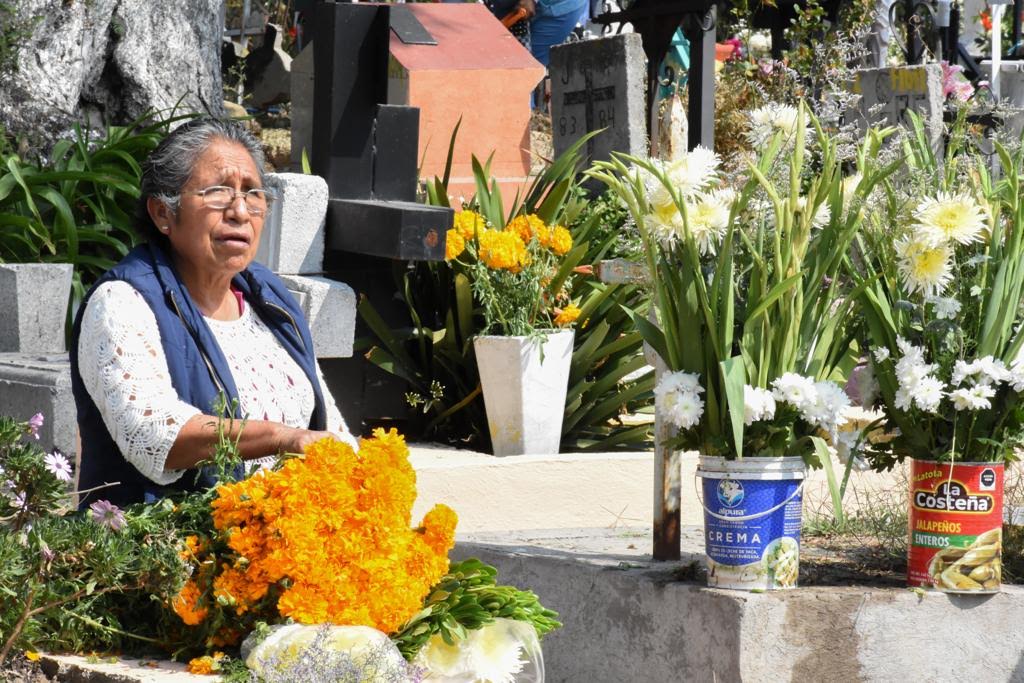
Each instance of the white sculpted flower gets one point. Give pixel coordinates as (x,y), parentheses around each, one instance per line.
(496,651)
(770,119)
(694,171)
(881,354)
(974,398)
(950,218)
(677,398)
(708,217)
(758,404)
(946,308)
(924,268)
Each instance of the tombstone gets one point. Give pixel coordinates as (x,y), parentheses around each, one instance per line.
(268,70)
(888,93)
(477,73)
(367,151)
(600,84)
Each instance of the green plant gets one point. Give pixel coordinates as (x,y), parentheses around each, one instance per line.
(435,354)
(941,297)
(77,207)
(747,283)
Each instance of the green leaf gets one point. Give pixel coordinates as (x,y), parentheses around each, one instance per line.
(824,457)
(735,378)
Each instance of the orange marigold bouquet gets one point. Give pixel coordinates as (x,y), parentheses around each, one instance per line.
(517,271)
(325,538)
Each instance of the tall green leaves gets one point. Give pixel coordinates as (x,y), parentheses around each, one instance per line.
(78,206)
(767,299)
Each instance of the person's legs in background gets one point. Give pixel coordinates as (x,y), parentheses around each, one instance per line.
(547,30)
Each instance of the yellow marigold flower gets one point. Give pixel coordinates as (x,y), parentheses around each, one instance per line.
(205,665)
(186,604)
(454,244)
(467,223)
(567,315)
(330,533)
(561,240)
(32,655)
(503,250)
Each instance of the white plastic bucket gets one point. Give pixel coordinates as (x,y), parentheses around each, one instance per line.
(752,515)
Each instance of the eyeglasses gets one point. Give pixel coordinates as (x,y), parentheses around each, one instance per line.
(221,197)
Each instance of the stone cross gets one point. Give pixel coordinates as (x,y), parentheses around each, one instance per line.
(888,93)
(600,84)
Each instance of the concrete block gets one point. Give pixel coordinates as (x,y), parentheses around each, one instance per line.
(330,309)
(627,618)
(293,236)
(34,306)
(31,384)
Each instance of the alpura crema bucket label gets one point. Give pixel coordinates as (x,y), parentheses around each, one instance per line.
(956,518)
(752,532)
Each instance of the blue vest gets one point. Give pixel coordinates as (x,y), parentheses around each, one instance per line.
(197,366)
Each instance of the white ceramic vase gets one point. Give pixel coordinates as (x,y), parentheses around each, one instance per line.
(524,395)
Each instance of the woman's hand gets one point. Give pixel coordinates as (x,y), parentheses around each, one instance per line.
(295,440)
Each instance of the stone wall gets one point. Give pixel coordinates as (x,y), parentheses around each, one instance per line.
(106,61)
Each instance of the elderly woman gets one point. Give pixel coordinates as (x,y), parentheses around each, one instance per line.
(187,320)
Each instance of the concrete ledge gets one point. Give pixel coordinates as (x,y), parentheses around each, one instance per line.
(630,619)
(579,489)
(32,383)
(79,669)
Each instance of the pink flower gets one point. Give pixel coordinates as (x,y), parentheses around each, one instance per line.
(34,423)
(954,83)
(58,465)
(107,514)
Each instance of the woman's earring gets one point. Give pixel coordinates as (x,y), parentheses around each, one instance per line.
(164,228)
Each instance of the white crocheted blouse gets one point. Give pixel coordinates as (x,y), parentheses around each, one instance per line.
(124,370)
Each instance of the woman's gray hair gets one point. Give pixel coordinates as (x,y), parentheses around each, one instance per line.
(171,164)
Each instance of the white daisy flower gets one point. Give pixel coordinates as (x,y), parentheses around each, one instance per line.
(881,354)
(949,218)
(924,268)
(795,390)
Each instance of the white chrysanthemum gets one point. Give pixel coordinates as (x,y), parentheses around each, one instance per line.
(928,394)
(987,371)
(694,171)
(881,354)
(1015,377)
(795,390)
(950,218)
(946,308)
(677,398)
(822,215)
(441,660)
(828,408)
(924,268)
(708,217)
(496,652)
(758,404)
(973,398)
(666,226)
(917,385)
(766,121)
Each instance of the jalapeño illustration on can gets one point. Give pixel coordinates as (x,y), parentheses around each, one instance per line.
(956,518)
